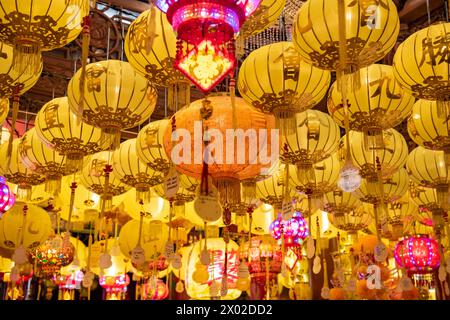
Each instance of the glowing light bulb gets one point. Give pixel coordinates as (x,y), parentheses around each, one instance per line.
(349,178)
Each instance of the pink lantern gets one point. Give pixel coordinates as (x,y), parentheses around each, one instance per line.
(293,231)
(7,197)
(418,254)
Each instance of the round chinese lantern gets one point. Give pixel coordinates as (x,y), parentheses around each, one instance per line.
(222,256)
(114,285)
(248,202)
(36,156)
(428,169)
(115,97)
(58,127)
(156,208)
(316,138)
(97,176)
(27,220)
(337,201)
(154,235)
(79,258)
(369,32)
(150,47)
(160,292)
(266,15)
(380,103)
(133,172)
(417,254)
(225,167)
(34,26)
(426,198)
(261,219)
(11,81)
(271,190)
(56,252)
(421,67)
(17,173)
(293,231)
(326,174)
(351,221)
(264,258)
(7,197)
(393,188)
(149,146)
(391,155)
(427,129)
(276,80)
(179,200)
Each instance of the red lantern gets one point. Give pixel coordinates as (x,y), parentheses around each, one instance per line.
(114,285)
(7,197)
(161,291)
(207,28)
(418,254)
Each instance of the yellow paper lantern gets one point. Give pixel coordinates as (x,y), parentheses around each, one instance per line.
(427,129)
(149,146)
(18,173)
(394,217)
(380,103)
(154,236)
(115,97)
(421,65)
(133,172)
(276,80)
(58,127)
(326,174)
(6,265)
(371,30)
(120,263)
(391,155)
(93,177)
(262,18)
(316,138)
(428,169)
(150,47)
(156,209)
(425,198)
(351,221)
(337,201)
(11,81)
(271,190)
(34,227)
(218,251)
(393,188)
(33,26)
(36,156)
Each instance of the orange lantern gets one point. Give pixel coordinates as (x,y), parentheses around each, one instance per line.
(229,157)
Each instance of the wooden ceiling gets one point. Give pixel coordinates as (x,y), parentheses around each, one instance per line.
(59,65)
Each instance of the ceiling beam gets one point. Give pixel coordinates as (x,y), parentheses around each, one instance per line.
(132,5)
(415,9)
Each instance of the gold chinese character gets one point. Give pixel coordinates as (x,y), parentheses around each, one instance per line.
(51,117)
(93,74)
(379,83)
(97,167)
(436,52)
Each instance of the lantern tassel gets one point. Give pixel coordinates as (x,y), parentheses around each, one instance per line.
(229,191)
(86,38)
(443,108)
(151,28)
(26,56)
(285,121)
(15,112)
(73,188)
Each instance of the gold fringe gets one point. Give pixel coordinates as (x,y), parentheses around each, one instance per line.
(53,184)
(26,57)
(373,139)
(285,121)
(249,189)
(15,112)
(229,191)
(443,108)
